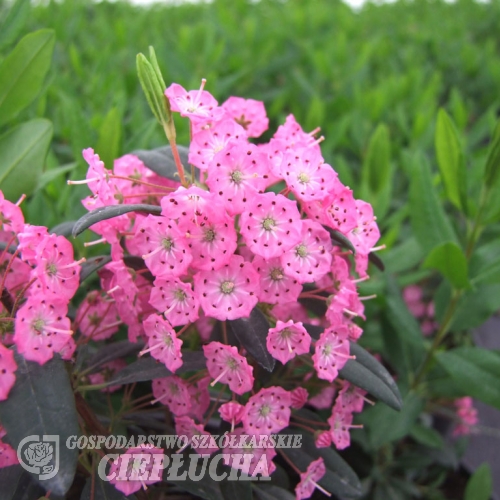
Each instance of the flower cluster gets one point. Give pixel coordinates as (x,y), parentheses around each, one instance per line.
(253,230)
(422,310)
(467,416)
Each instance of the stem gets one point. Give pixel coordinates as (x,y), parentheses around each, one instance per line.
(169,129)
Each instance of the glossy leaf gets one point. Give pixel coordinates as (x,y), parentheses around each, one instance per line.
(366,372)
(64,228)
(475,370)
(23,150)
(427,436)
(430,223)
(232,490)
(23,71)
(104,213)
(340,239)
(450,159)
(480,484)
(450,261)
(45,395)
(149,368)
(161,160)
(252,333)
(376,261)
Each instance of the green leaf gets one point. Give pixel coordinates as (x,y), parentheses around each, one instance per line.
(340,239)
(23,71)
(42,403)
(110,352)
(16,483)
(149,368)
(110,133)
(376,167)
(450,159)
(14,22)
(23,150)
(104,213)
(92,265)
(103,490)
(236,490)
(492,169)
(430,223)
(49,175)
(63,229)
(366,372)
(427,436)
(476,371)
(450,261)
(161,160)
(384,425)
(480,485)
(252,333)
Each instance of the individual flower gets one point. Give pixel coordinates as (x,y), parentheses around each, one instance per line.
(11,217)
(7,368)
(299,397)
(163,343)
(351,398)
(106,372)
(199,397)
(232,412)
(309,480)
(324,399)
(287,340)
(194,103)
(186,426)
(248,113)
(227,366)
(97,316)
(172,392)
(340,422)
(270,225)
(268,411)
(229,292)
(467,416)
(331,353)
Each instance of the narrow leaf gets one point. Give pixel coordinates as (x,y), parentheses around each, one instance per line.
(64,228)
(252,333)
(492,169)
(161,160)
(376,261)
(16,483)
(93,264)
(375,172)
(340,239)
(23,150)
(450,261)
(476,371)
(450,159)
(45,396)
(48,176)
(104,213)
(110,352)
(103,490)
(110,133)
(272,492)
(366,372)
(23,71)
(480,485)
(14,22)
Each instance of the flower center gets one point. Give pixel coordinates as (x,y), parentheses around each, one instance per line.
(277,274)
(227,287)
(232,364)
(236,176)
(327,350)
(179,295)
(303,178)
(51,269)
(168,341)
(286,333)
(209,235)
(265,410)
(167,243)
(301,250)
(38,325)
(268,223)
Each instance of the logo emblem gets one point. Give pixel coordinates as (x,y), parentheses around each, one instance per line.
(40,455)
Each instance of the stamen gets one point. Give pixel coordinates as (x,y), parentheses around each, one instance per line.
(150,349)
(84,181)
(368,297)
(95,242)
(376,249)
(316,485)
(20,200)
(114,289)
(220,376)
(202,86)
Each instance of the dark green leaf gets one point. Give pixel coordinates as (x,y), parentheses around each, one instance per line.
(236,490)
(93,264)
(23,71)
(376,261)
(42,403)
(161,160)
(492,169)
(149,368)
(104,213)
(63,229)
(17,484)
(450,159)
(340,239)
(272,492)
(384,425)
(103,490)
(430,223)
(366,372)
(252,333)
(479,486)
(23,150)
(110,352)
(427,436)
(476,371)
(450,261)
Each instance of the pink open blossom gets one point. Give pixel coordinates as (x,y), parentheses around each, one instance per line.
(309,480)
(331,353)
(248,113)
(186,426)
(97,316)
(11,217)
(172,392)
(199,397)
(287,340)
(340,422)
(194,103)
(467,416)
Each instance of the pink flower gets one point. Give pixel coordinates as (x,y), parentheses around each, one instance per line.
(268,411)
(299,397)
(98,179)
(165,251)
(275,285)
(199,397)
(11,217)
(236,174)
(136,468)
(310,259)
(232,412)
(271,225)
(97,317)
(287,340)
(106,372)
(467,416)
(41,328)
(173,392)
(186,426)
(340,423)
(227,366)
(331,353)
(248,113)
(188,206)
(323,439)
(309,480)
(229,292)
(324,398)
(30,239)
(193,104)
(176,300)
(8,455)
(163,343)
(351,398)
(7,368)
(366,233)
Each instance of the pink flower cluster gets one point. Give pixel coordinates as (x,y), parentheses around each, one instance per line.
(422,310)
(467,416)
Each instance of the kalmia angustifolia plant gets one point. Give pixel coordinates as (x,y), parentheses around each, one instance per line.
(255,254)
